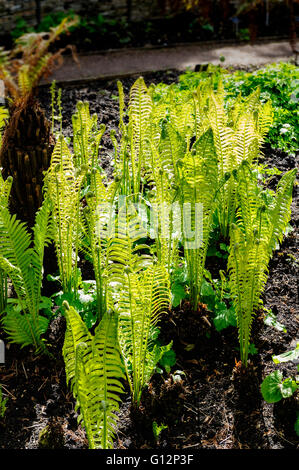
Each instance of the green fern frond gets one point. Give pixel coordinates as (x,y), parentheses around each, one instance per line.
(259,227)
(76,333)
(63,183)
(265,120)
(141,305)
(95,369)
(24,330)
(199,184)
(21,259)
(280,212)
(86,136)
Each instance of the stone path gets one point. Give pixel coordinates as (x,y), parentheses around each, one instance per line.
(120,63)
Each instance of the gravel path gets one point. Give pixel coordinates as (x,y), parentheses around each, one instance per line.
(121,63)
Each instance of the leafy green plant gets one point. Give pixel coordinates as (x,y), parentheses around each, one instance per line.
(218,301)
(168,360)
(54,19)
(140,307)
(21,259)
(179,283)
(271,320)
(275,388)
(259,227)
(22,68)
(292,355)
(63,186)
(95,372)
(21,28)
(278,83)
(3,402)
(5,188)
(48,22)
(157,429)
(243,34)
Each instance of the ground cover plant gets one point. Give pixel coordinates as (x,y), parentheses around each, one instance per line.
(134,246)
(278,84)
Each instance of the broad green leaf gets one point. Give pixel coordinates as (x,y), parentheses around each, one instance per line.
(292,355)
(288,387)
(271,387)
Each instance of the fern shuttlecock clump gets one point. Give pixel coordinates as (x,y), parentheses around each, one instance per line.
(142,302)
(25,154)
(95,372)
(86,136)
(259,227)
(63,184)
(21,259)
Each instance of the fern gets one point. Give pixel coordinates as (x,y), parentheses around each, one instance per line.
(237,139)
(63,185)
(22,68)
(95,371)
(163,211)
(86,136)
(5,188)
(3,117)
(21,259)
(141,305)
(97,222)
(198,186)
(258,229)
(139,291)
(133,150)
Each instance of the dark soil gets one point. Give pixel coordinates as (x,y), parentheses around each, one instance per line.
(210,402)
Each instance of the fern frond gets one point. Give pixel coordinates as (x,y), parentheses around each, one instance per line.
(86,136)
(259,228)
(140,307)
(63,185)
(24,330)
(199,184)
(265,120)
(280,212)
(76,333)
(22,260)
(94,367)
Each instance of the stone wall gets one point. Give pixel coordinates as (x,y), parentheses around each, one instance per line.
(11,10)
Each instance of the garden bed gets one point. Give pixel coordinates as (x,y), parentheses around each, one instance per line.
(215,406)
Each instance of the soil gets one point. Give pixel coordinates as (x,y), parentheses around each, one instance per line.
(210,402)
